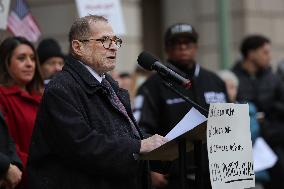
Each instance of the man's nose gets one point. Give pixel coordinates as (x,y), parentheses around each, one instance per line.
(113,46)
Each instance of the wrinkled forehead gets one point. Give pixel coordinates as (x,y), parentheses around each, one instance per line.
(100,29)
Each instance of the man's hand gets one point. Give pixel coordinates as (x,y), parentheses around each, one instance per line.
(13,177)
(152,143)
(158,180)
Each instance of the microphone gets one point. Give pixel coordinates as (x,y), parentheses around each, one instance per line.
(149,62)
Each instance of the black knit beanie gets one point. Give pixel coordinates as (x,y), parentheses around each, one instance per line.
(48,48)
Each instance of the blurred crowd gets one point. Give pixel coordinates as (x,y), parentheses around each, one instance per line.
(25,71)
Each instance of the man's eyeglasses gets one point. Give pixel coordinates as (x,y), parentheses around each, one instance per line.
(106,41)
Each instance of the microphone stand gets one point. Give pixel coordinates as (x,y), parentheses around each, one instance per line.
(188,100)
(182,145)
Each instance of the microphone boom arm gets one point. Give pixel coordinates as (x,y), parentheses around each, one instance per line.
(188,100)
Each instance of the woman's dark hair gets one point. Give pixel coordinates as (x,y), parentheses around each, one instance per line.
(7,49)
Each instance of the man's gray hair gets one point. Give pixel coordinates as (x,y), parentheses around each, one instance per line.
(80,29)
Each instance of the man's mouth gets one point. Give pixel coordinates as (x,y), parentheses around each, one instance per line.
(111,57)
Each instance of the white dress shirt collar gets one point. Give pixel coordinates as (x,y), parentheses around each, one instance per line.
(94,73)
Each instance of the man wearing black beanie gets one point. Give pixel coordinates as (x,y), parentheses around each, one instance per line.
(51,58)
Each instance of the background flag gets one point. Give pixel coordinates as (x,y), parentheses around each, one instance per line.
(22,23)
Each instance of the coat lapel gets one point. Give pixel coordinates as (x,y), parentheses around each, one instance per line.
(91,86)
(82,75)
(124,98)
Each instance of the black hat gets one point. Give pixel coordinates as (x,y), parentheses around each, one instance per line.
(48,48)
(180,30)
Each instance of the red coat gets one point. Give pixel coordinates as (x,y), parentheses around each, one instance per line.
(19,109)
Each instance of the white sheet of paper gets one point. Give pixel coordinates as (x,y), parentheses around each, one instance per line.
(229,146)
(263,156)
(192,119)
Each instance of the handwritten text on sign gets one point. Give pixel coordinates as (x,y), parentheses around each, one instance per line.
(229,146)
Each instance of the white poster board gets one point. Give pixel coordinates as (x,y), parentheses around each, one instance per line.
(4,9)
(110,9)
(229,146)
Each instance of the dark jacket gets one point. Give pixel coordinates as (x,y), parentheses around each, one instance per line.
(4,165)
(266,92)
(263,89)
(8,152)
(80,139)
(158,109)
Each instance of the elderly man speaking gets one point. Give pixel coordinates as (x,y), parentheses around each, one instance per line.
(85,134)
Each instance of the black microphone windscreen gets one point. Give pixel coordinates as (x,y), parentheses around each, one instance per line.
(146,60)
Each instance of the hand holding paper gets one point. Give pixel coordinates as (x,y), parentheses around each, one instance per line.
(151,143)
(190,127)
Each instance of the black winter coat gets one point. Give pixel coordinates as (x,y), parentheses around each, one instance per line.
(266,91)
(80,139)
(8,152)
(263,89)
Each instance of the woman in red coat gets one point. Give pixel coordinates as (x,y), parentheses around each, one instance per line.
(20,90)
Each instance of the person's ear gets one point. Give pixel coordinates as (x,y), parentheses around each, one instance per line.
(251,55)
(77,47)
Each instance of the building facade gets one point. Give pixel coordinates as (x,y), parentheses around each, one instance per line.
(146,21)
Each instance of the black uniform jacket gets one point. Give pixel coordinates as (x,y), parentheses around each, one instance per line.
(158,109)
